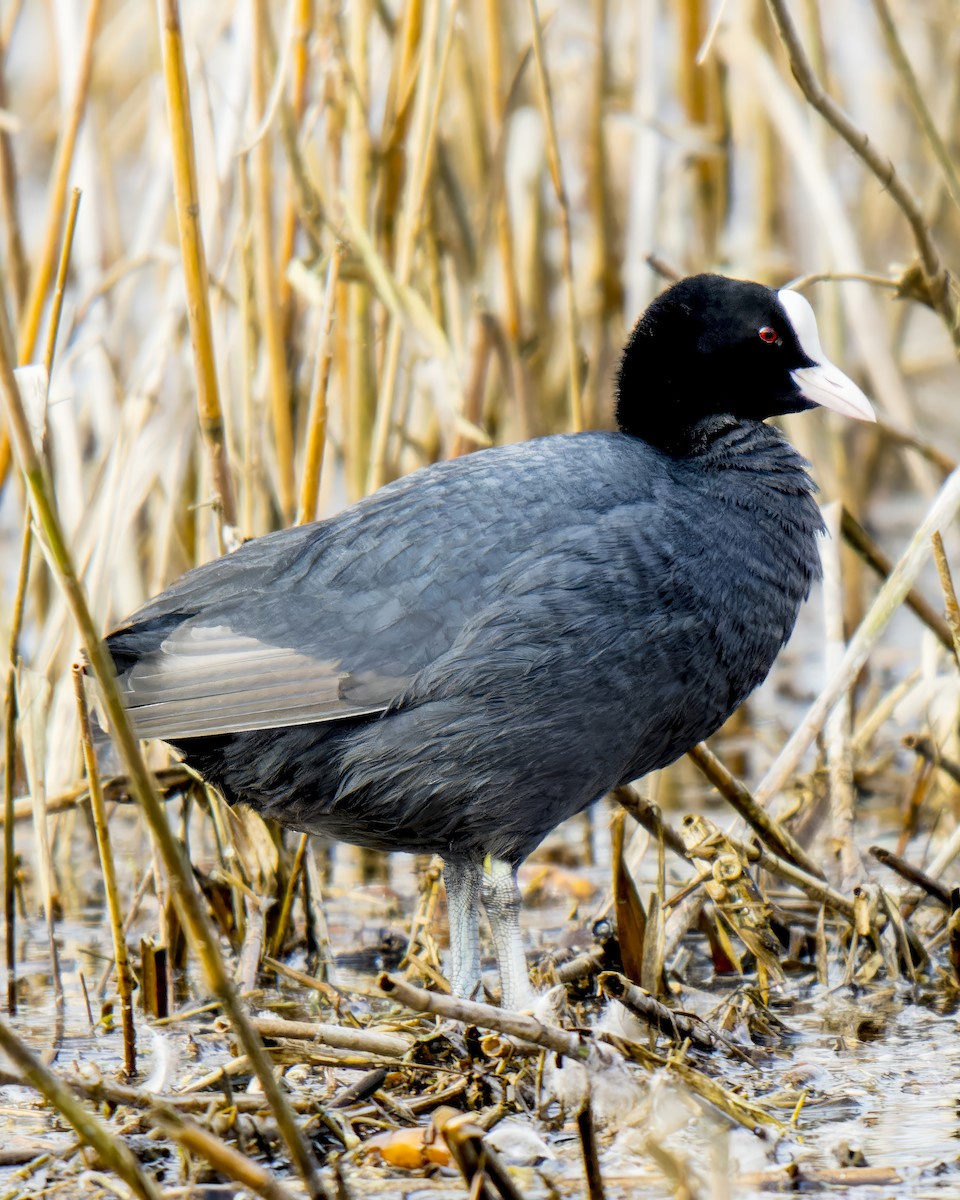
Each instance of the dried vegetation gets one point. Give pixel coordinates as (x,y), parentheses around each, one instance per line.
(258,264)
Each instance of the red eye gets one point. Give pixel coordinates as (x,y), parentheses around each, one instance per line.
(768,334)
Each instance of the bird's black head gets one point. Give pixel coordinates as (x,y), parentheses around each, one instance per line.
(711,346)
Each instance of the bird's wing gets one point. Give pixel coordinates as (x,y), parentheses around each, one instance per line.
(208,679)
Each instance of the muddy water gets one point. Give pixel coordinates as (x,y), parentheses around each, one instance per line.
(864,1079)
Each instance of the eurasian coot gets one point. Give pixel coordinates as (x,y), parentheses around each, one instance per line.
(483,648)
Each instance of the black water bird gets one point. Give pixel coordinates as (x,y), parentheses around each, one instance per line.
(483,648)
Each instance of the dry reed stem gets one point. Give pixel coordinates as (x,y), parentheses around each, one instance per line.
(340,1037)
(10,764)
(17,266)
(360,392)
(837,725)
(317,412)
(268,303)
(566,239)
(57,193)
(588,1148)
(99,811)
(513,317)
(303,25)
(423,134)
(193,257)
(201,936)
(56,308)
(289,892)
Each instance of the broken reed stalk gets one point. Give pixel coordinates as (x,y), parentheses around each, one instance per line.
(224,1159)
(114,1152)
(99,811)
(648,815)
(737,794)
(469,1012)
(478,1163)
(193,258)
(566,239)
(676,1025)
(944,509)
(265,269)
(202,937)
(340,1037)
(319,388)
(42,274)
(912,874)
(588,1148)
(927,748)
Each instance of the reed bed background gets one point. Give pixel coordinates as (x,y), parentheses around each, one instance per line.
(258,260)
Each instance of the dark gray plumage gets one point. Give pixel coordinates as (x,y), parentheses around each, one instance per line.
(482,649)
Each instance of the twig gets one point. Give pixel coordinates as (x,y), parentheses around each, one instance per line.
(935,283)
(10,766)
(648,815)
(477,1161)
(838,723)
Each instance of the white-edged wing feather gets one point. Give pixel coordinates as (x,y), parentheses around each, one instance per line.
(205,680)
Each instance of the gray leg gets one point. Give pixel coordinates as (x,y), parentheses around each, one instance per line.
(463,896)
(501,899)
